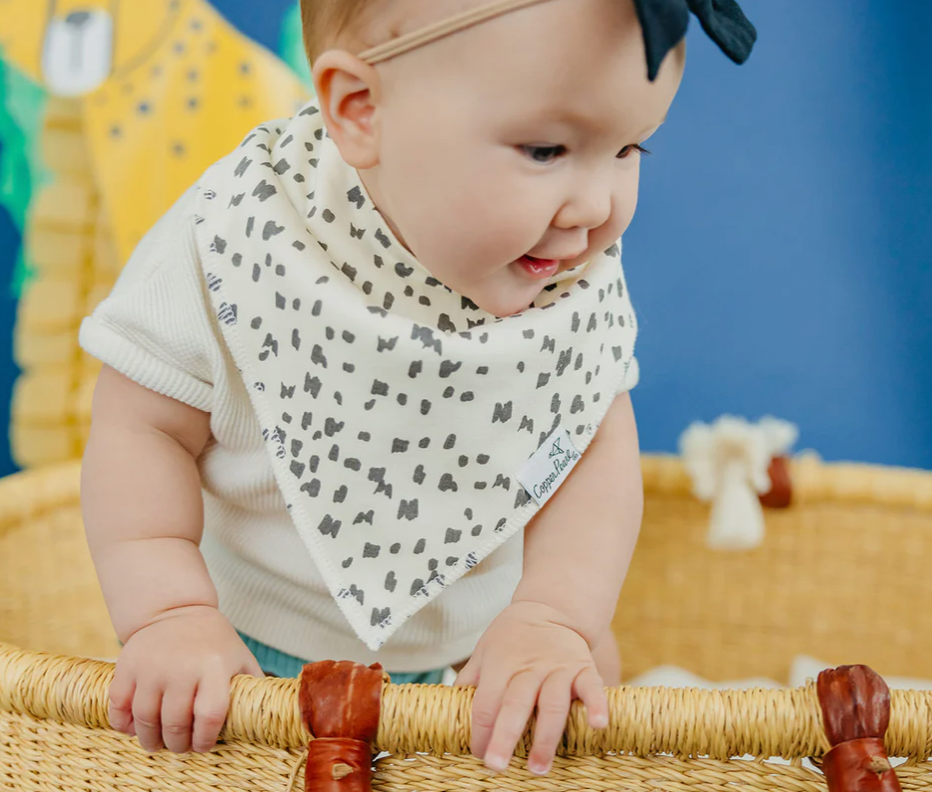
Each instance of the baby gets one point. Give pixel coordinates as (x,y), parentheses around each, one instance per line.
(365,386)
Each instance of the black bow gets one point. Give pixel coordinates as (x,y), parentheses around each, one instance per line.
(664,23)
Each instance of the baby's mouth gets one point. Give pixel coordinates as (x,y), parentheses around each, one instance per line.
(539,268)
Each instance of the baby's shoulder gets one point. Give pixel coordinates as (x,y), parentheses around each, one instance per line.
(170,244)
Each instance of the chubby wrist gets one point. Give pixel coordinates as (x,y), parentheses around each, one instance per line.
(193,610)
(551,612)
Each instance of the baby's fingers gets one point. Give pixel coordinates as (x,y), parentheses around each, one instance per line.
(469,675)
(517,706)
(120,713)
(252,668)
(177,716)
(210,711)
(553,708)
(485,708)
(590,689)
(147,717)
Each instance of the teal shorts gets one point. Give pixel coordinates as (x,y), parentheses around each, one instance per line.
(284,665)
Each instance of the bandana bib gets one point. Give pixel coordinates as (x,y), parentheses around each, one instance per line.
(400,419)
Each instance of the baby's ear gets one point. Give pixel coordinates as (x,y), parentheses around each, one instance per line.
(348,90)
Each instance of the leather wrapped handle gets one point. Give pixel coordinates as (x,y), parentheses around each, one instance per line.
(855,705)
(341,704)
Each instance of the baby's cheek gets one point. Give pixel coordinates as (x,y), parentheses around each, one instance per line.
(488,239)
(626,203)
(607,235)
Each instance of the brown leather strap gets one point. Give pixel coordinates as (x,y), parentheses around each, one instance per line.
(855,705)
(860,766)
(338,764)
(341,704)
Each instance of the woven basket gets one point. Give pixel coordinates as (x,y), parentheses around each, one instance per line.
(843,575)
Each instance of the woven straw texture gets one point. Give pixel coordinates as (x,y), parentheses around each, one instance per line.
(838,577)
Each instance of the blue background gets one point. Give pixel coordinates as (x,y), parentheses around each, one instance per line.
(781,258)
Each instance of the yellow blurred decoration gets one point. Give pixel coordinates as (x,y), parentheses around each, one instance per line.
(144,96)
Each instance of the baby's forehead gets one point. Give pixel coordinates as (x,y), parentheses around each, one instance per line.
(581,62)
(409,15)
(594,81)
(383,20)
(583,115)
(548,23)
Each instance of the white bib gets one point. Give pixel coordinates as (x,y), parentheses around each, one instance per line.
(398,416)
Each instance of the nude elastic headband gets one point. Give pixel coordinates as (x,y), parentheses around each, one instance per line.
(664,23)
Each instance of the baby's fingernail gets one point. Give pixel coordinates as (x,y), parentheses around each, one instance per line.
(497,764)
(600,722)
(539,769)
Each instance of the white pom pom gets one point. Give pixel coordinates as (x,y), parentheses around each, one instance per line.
(729,464)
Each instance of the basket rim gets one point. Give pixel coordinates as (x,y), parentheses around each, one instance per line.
(434,719)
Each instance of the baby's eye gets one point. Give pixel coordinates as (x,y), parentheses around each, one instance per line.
(544,154)
(623,154)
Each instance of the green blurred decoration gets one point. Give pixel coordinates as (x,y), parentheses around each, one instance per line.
(291,45)
(22,104)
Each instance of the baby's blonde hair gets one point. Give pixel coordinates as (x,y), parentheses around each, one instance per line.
(325,20)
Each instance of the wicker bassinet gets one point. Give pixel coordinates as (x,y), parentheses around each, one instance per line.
(843,576)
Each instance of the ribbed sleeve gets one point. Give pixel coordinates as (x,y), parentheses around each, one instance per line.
(154,327)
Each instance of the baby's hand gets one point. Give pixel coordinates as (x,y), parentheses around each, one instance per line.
(527,657)
(171,687)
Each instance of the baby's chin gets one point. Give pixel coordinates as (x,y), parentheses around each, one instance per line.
(503,305)
(504,292)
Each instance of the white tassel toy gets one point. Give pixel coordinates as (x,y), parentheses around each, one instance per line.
(729,462)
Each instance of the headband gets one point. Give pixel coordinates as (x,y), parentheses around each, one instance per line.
(663,22)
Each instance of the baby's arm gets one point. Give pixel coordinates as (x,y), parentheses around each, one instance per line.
(576,555)
(143,513)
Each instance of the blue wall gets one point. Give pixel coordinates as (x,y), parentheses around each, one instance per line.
(261,21)
(781,258)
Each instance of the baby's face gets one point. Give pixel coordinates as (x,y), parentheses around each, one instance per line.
(510,151)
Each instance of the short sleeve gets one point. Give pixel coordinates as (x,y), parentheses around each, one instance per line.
(155,326)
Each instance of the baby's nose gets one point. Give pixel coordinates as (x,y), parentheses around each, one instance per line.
(586,211)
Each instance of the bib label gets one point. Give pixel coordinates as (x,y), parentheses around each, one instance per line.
(548,468)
